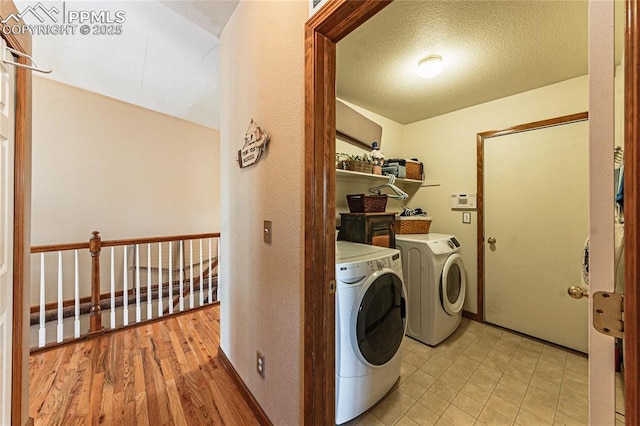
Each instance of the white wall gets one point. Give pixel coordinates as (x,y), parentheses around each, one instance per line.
(447,145)
(102,164)
(261,285)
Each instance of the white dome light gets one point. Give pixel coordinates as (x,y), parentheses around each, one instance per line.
(430,66)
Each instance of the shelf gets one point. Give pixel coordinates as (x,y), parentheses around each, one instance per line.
(351,176)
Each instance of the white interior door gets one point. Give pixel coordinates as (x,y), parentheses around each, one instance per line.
(7,125)
(536,204)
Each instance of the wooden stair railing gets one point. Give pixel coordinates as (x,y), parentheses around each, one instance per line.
(96,302)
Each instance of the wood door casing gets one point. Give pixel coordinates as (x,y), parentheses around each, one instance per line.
(632,211)
(22,223)
(331,23)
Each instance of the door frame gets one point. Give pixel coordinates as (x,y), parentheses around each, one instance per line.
(331,23)
(21,225)
(481,137)
(632,211)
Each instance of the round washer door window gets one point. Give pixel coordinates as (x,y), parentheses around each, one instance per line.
(381,319)
(453,284)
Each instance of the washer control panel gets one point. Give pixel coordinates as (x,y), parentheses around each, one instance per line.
(444,246)
(387,262)
(354,272)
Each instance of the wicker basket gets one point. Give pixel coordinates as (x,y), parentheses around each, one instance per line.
(414,170)
(412,224)
(360,203)
(360,166)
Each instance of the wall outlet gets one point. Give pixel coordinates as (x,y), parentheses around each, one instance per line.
(266,229)
(260,364)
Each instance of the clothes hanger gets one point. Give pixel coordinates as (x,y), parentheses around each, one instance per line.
(399,193)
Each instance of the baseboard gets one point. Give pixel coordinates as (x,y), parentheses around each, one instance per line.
(472,316)
(244,390)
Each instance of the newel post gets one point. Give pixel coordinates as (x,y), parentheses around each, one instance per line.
(95,246)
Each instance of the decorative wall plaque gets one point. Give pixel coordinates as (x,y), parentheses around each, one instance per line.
(256,141)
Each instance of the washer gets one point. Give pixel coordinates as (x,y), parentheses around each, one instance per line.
(436,284)
(370,325)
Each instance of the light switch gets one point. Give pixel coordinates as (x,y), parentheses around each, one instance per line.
(267,231)
(466,217)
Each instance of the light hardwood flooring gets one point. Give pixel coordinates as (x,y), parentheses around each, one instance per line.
(484,375)
(163,373)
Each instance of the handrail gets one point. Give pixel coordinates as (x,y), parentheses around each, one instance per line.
(124,242)
(95,247)
(159,239)
(59,247)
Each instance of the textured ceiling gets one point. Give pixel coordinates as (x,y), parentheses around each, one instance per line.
(166,58)
(491,49)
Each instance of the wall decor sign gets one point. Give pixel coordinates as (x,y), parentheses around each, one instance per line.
(256,141)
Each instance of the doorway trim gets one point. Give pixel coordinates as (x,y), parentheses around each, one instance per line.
(329,25)
(481,137)
(22,224)
(632,211)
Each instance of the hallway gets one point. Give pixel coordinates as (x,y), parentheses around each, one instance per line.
(163,373)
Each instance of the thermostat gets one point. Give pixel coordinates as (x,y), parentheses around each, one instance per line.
(463,201)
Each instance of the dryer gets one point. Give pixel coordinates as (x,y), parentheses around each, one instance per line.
(370,325)
(435,278)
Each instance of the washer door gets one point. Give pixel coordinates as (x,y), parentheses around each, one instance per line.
(453,284)
(379,318)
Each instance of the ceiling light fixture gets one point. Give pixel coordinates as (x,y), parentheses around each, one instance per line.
(430,66)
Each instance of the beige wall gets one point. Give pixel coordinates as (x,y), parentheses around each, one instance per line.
(447,146)
(128,172)
(261,285)
(390,145)
(101,164)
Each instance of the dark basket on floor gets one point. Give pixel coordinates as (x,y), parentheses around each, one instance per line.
(360,203)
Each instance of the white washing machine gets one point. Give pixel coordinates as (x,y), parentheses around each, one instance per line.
(370,325)
(435,279)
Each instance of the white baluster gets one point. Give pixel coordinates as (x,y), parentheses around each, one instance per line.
(138,315)
(160,307)
(191,274)
(149,304)
(60,334)
(219,285)
(181,276)
(76,291)
(201,283)
(113,288)
(210,294)
(42,331)
(170,277)
(125,288)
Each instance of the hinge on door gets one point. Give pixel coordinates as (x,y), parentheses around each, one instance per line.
(332,286)
(608,313)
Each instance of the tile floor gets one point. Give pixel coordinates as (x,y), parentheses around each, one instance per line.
(484,375)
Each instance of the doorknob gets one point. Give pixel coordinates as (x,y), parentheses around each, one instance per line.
(491,240)
(577,292)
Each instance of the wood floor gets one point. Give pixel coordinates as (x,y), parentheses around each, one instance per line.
(164,373)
